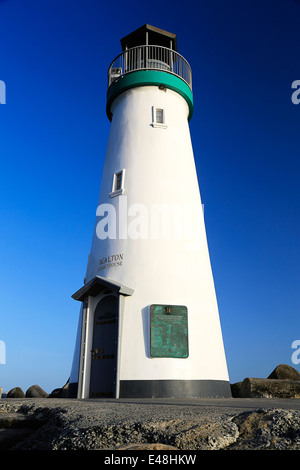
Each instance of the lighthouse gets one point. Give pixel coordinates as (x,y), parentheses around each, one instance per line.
(149,323)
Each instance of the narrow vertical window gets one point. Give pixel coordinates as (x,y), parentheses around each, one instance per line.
(158,117)
(118,183)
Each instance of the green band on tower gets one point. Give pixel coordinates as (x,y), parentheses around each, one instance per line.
(149,78)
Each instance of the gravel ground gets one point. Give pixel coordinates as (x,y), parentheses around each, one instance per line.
(158,425)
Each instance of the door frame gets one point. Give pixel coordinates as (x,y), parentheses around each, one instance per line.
(87,331)
(90,295)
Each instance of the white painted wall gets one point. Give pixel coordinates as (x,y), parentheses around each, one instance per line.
(160,169)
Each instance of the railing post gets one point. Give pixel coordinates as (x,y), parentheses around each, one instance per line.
(125,60)
(171,56)
(180,67)
(140,58)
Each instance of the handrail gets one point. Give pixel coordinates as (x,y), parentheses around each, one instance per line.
(150,58)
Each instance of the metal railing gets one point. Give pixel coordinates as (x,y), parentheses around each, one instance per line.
(150,58)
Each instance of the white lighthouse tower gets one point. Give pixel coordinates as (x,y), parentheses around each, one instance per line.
(149,322)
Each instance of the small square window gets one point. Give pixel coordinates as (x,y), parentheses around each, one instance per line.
(158,117)
(118,183)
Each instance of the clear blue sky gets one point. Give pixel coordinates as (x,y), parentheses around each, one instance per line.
(245,130)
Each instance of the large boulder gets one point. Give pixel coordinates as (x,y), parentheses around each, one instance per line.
(235,389)
(16,392)
(266,388)
(60,392)
(284,372)
(35,391)
(283,382)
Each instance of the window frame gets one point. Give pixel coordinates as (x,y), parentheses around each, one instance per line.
(154,116)
(115,190)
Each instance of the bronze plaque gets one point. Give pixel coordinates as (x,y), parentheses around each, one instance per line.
(168,331)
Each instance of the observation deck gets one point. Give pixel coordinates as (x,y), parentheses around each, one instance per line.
(142,64)
(150,58)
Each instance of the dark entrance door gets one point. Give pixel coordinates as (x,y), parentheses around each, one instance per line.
(104,352)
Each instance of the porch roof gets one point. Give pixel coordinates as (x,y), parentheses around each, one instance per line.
(99,284)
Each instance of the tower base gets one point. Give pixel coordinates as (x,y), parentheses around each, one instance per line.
(175,389)
(169,389)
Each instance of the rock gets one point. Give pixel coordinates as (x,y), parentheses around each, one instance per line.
(266,388)
(268,429)
(16,392)
(235,389)
(9,437)
(17,421)
(145,446)
(284,372)
(35,391)
(60,392)
(15,427)
(283,382)
(84,425)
